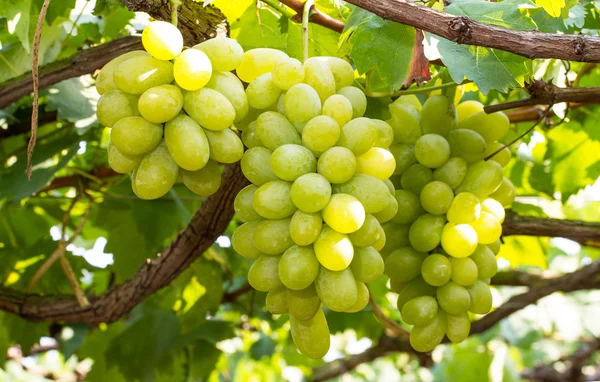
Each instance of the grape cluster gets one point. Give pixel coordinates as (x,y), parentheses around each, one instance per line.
(320,191)
(442,242)
(172,111)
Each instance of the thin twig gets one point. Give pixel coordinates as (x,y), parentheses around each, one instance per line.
(392,326)
(417,90)
(306,12)
(174,6)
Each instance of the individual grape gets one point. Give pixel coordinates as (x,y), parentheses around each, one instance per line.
(272,237)
(160,103)
(467,109)
(495,246)
(505,193)
(367,264)
(156,173)
(272,200)
(493,207)
(135,135)
(453,298)
(225,53)
(251,117)
(203,182)
(162,40)
(281,104)
(415,178)
(243,242)
(264,274)
(276,301)
(467,144)
(426,232)
(386,134)
(337,165)
(334,250)
(304,304)
(404,264)
(318,75)
(262,92)
(362,299)
(257,62)
(482,179)
(367,234)
(388,212)
(376,162)
(390,186)
(120,162)
(432,150)
(104,80)
(225,146)
(438,116)
(192,69)
(488,228)
(370,191)
(211,109)
(380,243)
(305,228)
(311,192)
(405,122)
(458,327)
(397,237)
(342,71)
(141,73)
(481,298)
(344,213)
(339,108)
(502,157)
(485,260)
(288,73)
(420,310)
(187,143)
(436,197)
(409,207)
(409,100)
(311,336)
(358,135)
(396,286)
(465,209)
(357,98)
(290,161)
(320,134)
(414,288)
(425,338)
(436,270)
(115,105)
(232,88)
(256,166)
(404,155)
(464,271)
(301,104)
(492,127)
(275,130)
(298,267)
(452,173)
(337,289)
(459,240)
(250,137)
(243,204)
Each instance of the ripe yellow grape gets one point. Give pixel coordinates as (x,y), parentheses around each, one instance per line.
(187,143)
(318,75)
(467,109)
(162,40)
(505,193)
(160,103)
(257,62)
(409,100)
(502,157)
(135,135)
(225,53)
(459,240)
(104,80)
(192,69)
(288,73)
(344,213)
(492,127)
(376,162)
(333,250)
(488,228)
(370,191)
(203,182)
(494,207)
(465,208)
(339,108)
(211,109)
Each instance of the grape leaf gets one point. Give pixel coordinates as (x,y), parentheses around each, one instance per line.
(115,21)
(258,30)
(540,179)
(18,18)
(321,41)
(552,7)
(75,100)
(509,14)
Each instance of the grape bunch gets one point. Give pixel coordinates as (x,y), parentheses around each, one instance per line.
(319,194)
(172,111)
(442,242)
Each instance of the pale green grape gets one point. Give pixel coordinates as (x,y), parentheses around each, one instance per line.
(452,173)
(162,40)
(482,179)
(320,134)
(467,144)
(250,137)
(404,264)
(405,122)
(397,286)
(192,69)
(115,105)
(337,165)
(232,88)
(453,298)
(264,274)
(362,299)
(344,213)
(120,162)
(488,228)
(311,192)
(333,249)
(404,155)
(303,304)
(187,143)
(160,103)
(432,150)
(225,146)
(505,193)
(339,108)
(390,186)
(276,301)
(272,237)
(502,157)
(262,92)
(288,73)
(436,270)
(337,289)
(459,240)
(370,191)
(225,53)
(256,166)
(481,298)
(485,260)
(311,336)
(458,327)
(465,209)
(342,71)
(397,237)
(243,204)
(298,267)
(242,240)
(272,200)
(281,104)
(135,135)
(275,130)
(141,73)
(290,161)
(495,246)
(301,104)
(438,116)
(211,109)
(414,288)
(104,80)
(386,134)
(376,162)
(305,228)
(367,234)
(156,173)
(492,206)
(436,197)
(203,182)
(464,271)
(425,338)
(389,212)
(380,243)
(491,127)
(357,98)
(467,109)
(409,207)
(358,135)
(415,178)
(318,75)
(251,117)
(367,264)
(257,62)
(419,310)
(409,100)
(426,232)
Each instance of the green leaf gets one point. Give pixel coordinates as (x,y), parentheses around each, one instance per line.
(321,41)
(258,30)
(18,18)
(116,21)
(95,347)
(527,209)
(203,357)
(552,7)
(593,171)
(540,179)
(72,337)
(75,100)
(22,332)
(264,347)
(511,14)
(105,7)
(203,293)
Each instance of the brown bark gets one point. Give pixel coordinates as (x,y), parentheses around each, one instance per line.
(316,17)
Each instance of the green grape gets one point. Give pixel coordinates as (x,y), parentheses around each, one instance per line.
(414,288)
(337,165)
(290,161)
(344,213)
(156,173)
(256,166)
(396,286)
(242,240)
(453,298)
(482,179)
(390,186)
(301,104)
(342,71)
(492,127)
(405,122)
(251,117)
(385,135)
(225,53)
(141,73)
(272,237)
(275,130)
(264,274)
(257,62)
(380,243)
(357,98)
(225,146)
(311,192)
(459,240)
(436,197)
(376,162)
(495,246)
(104,80)
(287,73)
(262,92)
(370,191)
(192,69)
(298,267)
(409,207)
(420,310)
(465,209)
(425,338)
(485,260)
(502,157)
(135,135)
(311,336)
(160,103)
(426,232)
(362,299)
(432,150)
(358,135)
(211,109)
(488,228)
(303,304)
(481,298)
(458,327)
(409,100)
(493,207)
(334,250)
(162,40)
(337,289)
(467,109)
(276,301)
(243,204)
(505,193)
(203,182)
(367,264)
(436,270)
(120,162)
(339,108)
(250,137)
(115,105)
(305,228)
(389,212)
(397,237)
(404,155)
(318,76)
(232,88)
(320,134)
(452,173)
(367,234)
(467,144)
(404,264)
(438,116)
(281,105)
(187,143)
(272,200)
(464,271)
(415,178)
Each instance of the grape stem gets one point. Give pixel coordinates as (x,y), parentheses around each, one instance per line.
(394,329)
(174,6)
(417,90)
(284,10)
(306,12)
